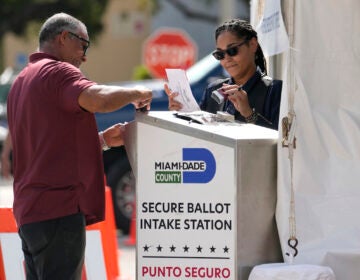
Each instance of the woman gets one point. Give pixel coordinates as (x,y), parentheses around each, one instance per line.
(250,95)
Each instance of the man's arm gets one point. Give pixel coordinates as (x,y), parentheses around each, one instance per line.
(103,99)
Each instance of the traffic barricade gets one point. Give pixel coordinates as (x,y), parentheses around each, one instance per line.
(101,259)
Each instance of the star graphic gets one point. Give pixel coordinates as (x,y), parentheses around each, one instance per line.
(186,248)
(226,249)
(212,249)
(146,248)
(199,249)
(172,248)
(159,248)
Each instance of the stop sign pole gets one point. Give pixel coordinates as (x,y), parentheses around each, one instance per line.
(168,48)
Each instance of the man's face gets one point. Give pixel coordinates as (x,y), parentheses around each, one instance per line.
(77,44)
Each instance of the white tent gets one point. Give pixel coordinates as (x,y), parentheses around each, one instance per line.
(320,73)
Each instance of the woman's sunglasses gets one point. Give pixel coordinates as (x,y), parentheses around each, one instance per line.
(232,51)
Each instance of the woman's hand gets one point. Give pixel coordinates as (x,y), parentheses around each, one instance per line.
(173,104)
(239,98)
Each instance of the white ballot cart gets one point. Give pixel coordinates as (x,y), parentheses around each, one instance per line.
(206,196)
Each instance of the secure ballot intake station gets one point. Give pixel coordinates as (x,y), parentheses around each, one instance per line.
(206,196)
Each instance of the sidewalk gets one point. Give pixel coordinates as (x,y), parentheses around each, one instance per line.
(127,259)
(6,193)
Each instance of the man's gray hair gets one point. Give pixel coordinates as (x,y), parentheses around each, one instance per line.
(58,23)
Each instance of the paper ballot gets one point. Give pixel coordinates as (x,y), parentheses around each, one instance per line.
(179,83)
(271,29)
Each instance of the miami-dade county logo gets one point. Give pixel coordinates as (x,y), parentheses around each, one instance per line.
(198,165)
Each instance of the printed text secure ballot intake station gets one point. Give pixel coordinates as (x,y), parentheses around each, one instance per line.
(188,207)
(185,222)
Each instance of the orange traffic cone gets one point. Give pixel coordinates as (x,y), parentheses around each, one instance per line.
(108,237)
(7,224)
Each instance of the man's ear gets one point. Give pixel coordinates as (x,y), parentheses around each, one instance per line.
(62,37)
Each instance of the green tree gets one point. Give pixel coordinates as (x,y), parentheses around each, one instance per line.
(17,15)
(186,9)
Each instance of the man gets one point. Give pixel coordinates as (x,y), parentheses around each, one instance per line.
(57,161)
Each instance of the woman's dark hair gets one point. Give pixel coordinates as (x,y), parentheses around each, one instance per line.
(243,30)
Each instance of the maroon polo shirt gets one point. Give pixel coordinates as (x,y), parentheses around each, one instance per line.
(57,159)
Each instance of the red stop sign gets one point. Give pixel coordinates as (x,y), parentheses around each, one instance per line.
(168,48)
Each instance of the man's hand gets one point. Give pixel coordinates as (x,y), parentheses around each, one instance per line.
(113,135)
(145,98)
